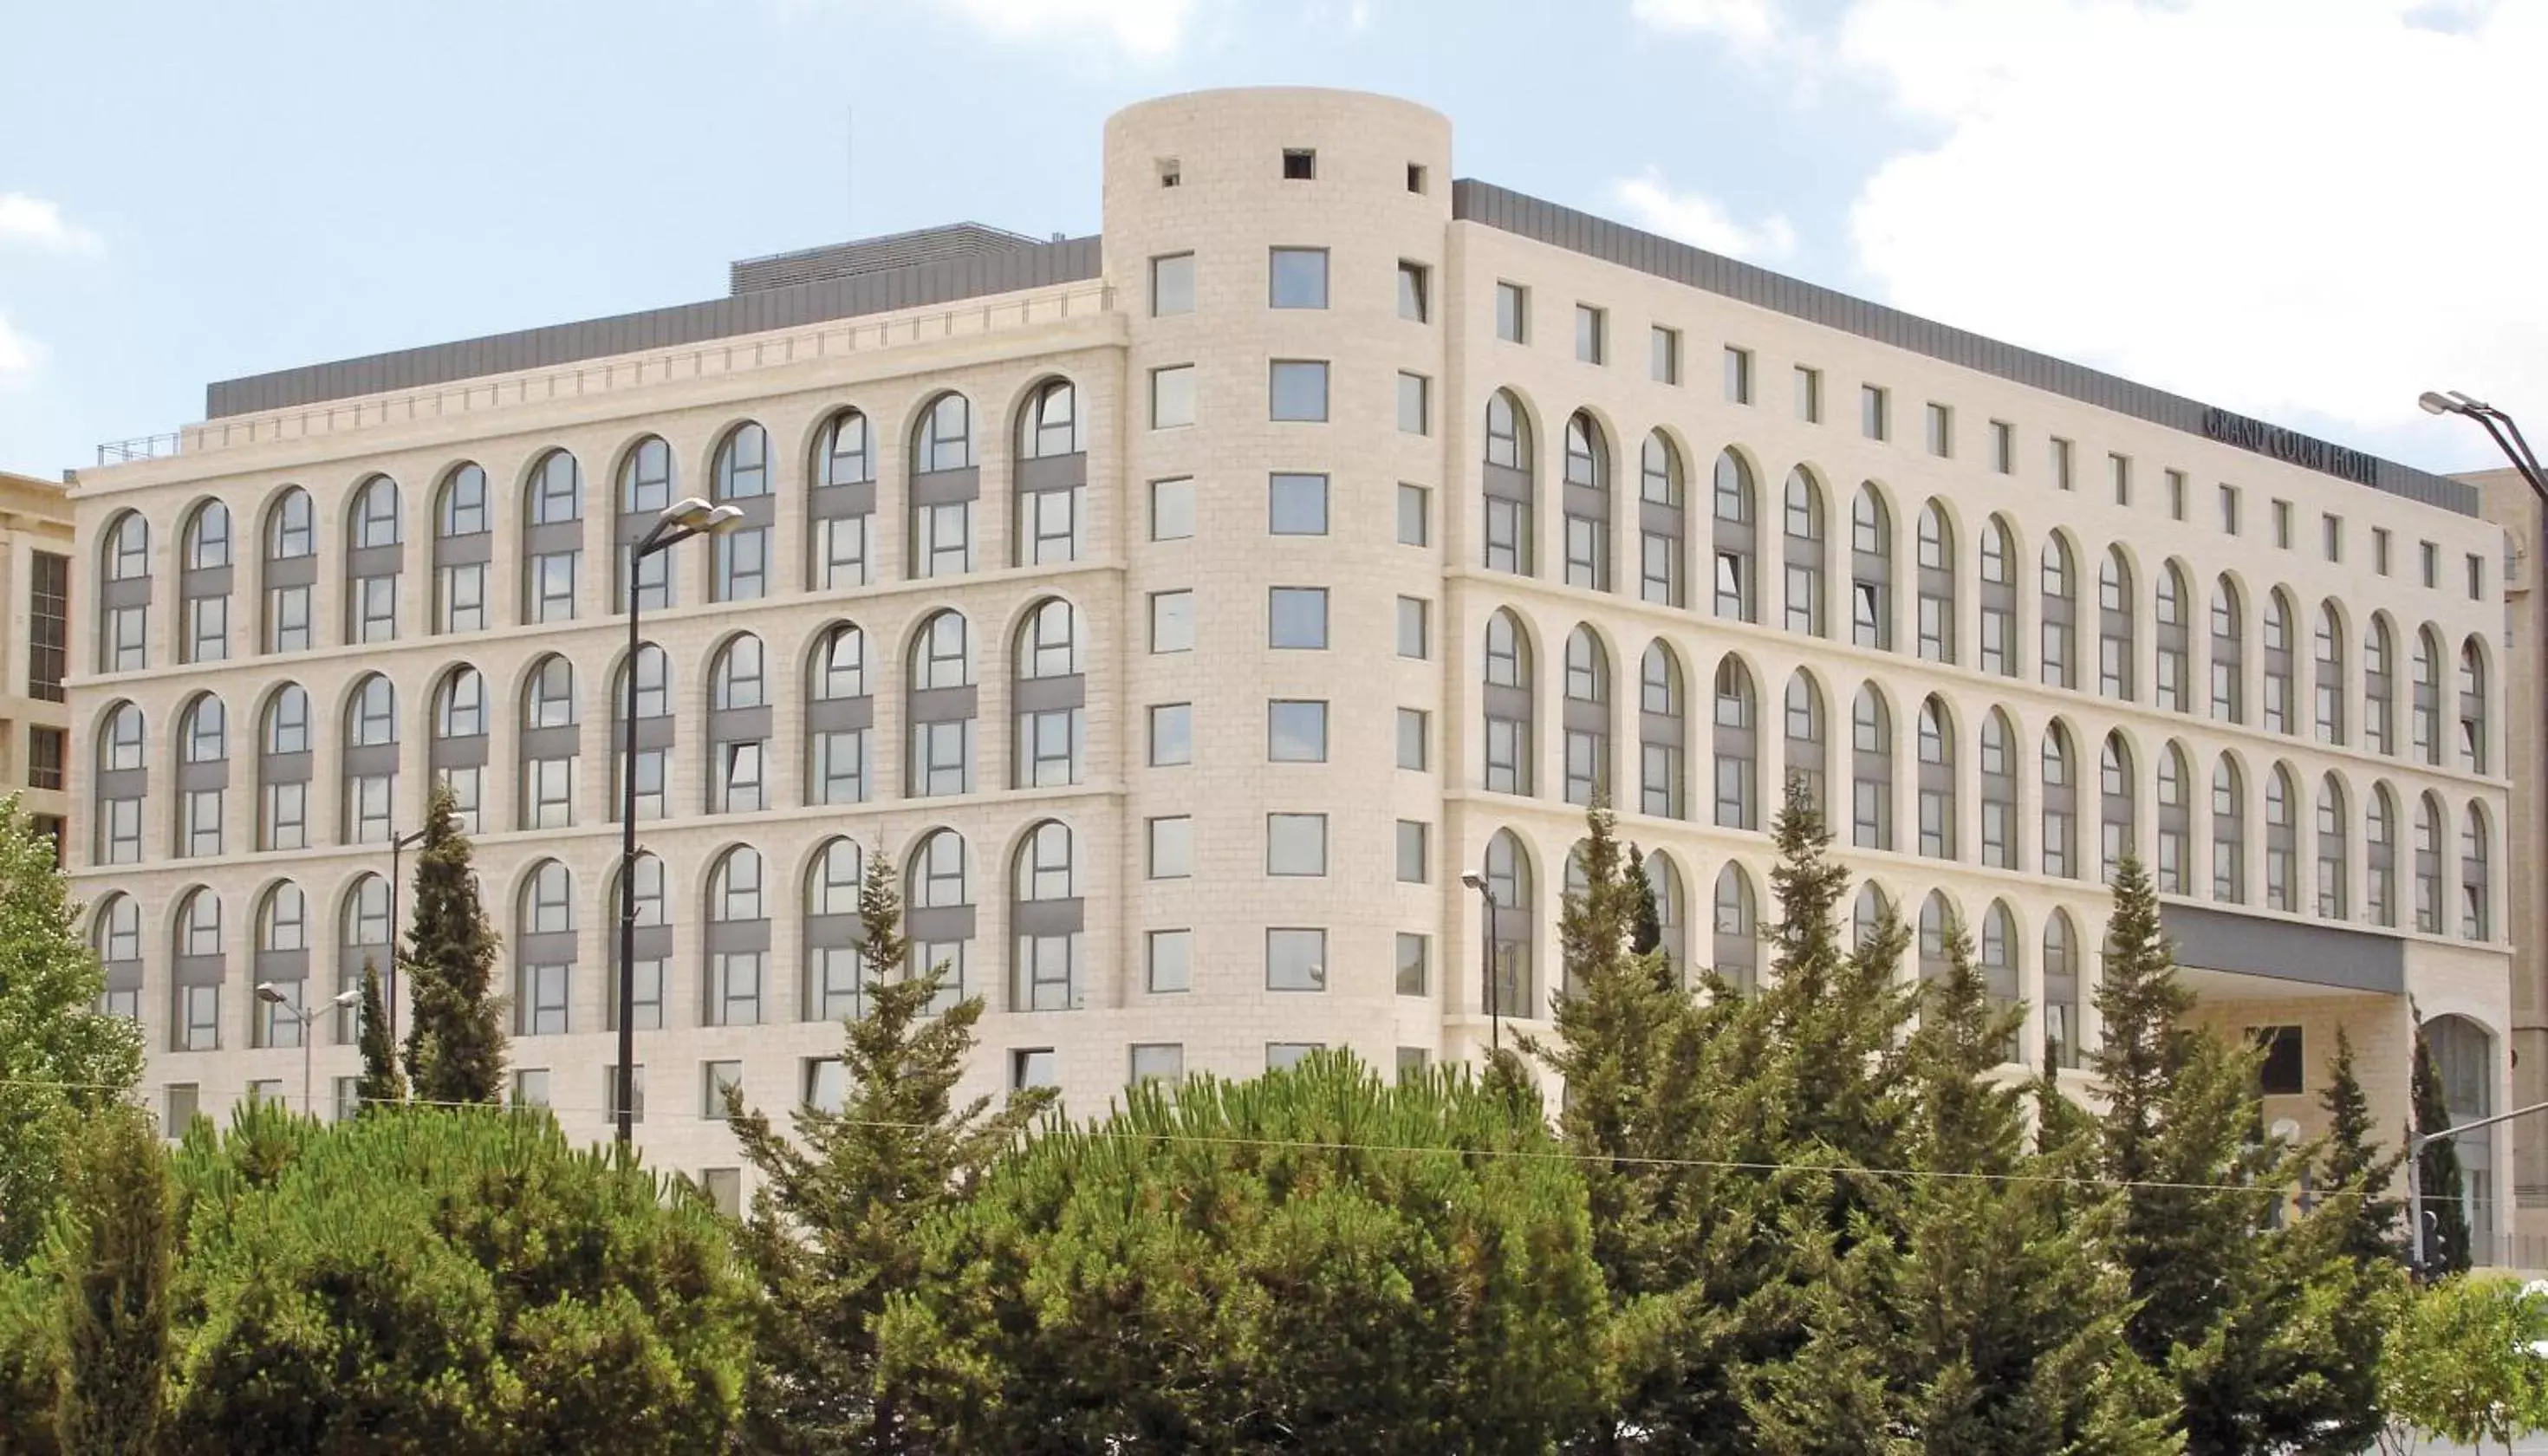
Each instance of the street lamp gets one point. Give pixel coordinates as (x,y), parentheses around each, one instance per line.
(272,995)
(1487,958)
(2416,1143)
(2496,424)
(679,521)
(389,994)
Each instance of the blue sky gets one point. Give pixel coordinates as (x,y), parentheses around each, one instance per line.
(2240,198)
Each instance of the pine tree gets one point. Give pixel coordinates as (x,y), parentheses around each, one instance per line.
(381,1084)
(2438,1169)
(1646,925)
(455,1049)
(2355,1176)
(833,1233)
(116,1266)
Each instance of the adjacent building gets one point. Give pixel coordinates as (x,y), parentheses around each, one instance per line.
(1179,617)
(35,714)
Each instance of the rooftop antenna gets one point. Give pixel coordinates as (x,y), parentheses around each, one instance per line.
(849,169)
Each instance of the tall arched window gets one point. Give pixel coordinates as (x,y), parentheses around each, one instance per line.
(1587,716)
(2118,834)
(1047,696)
(122,780)
(1737,536)
(1509,705)
(282,965)
(196,973)
(2334,863)
(1512,518)
(938,919)
(544,953)
(1870,732)
(658,734)
(2060,990)
(2379,664)
(1737,914)
(1870,569)
(371,760)
(2278,662)
(945,483)
(653,960)
(1511,989)
(1672,939)
(1662,733)
(552,539)
(203,776)
(2430,839)
(2057,654)
(2175,794)
(2061,790)
(2282,841)
(647,488)
(841,507)
(1738,746)
(2473,730)
(1999,598)
(940,705)
(2380,856)
(115,932)
(742,477)
(123,596)
(462,547)
(1937,584)
(2425,697)
(1045,920)
(2115,626)
(1808,746)
(283,771)
(2327,673)
(2228,833)
(458,753)
(1871,916)
(375,555)
(2174,611)
(1999,790)
(1051,476)
(1936,746)
(290,571)
(1940,924)
(2228,651)
(1663,534)
(2476,892)
(1999,965)
(549,745)
(737,941)
(204,585)
(1588,503)
(839,710)
(2464,1057)
(835,971)
(363,942)
(1808,544)
(739,727)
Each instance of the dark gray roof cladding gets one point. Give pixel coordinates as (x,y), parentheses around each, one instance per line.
(1559,227)
(2218,938)
(873,255)
(975,274)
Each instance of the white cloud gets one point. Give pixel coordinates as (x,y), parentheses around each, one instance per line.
(39,224)
(1746,24)
(19,354)
(1699,219)
(1146,29)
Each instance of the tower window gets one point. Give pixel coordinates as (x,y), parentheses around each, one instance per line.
(1300,164)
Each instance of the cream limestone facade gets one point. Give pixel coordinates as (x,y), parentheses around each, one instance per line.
(1286,717)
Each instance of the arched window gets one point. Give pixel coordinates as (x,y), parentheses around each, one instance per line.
(2464,1056)
(459,748)
(1737,537)
(1051,476)
(2228,648)
(1662,534)
(2278,662)
(282,963)
(2476,893)
(2061,790)
(1940,925)
(1047,696)
(371,761)
(290,571)
(1511,509)
(1509,991)
(1870,569)
(2228,833)
(122,780)
(1509,705)
(1936,537)
(738,727)
(2060,990)
(944,485)
(841,507)
(363,942)
(2333,864)
(1809,747)
(2432,836)
(1664,882)
(1999,598)
(1662,733)
(2119,836)
(1738,929)
(940,706)
(549,745)
(658,734)
(2328,673)
(2174,610)
(737,941)
(647,488)
(2175,794)
(2379,664)
(1999,790)
(544,952)
(552,539)
(1936,736)
(374,554)
(1999,965)
(2115,626)
(2057,657)
(2473,730)
(1808,544)
(2426,714)
(1871,916)
(462,547)
(840,709)
(835,971)
(1588,503)
(1587,717)
(115,932)
(1045,919)
(939,914)
(204,585)
(2282,841)
(653,960)
(123,597)
(1738,746)
(1870,732)
(742,477)
(203,776)
(195,974)
(283,771)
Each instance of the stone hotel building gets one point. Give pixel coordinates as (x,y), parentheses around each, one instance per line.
(1179,617)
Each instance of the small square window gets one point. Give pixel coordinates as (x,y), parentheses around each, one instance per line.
(1412,1061)
(2432,557)
(2060,462)
(823,1082)
(1413,403)
(1873,407)
(1034,1066)
(1738,376)
(1171,959)
(1414,627)
(1809,395)
(1414,292)
(1295,730)
(1297,388)
(1297,277)
(1296,845)
(2176,494)
(2379,550)
(1295,618)
(2283,524)
(1941,430)
(1412,861)
(1172,284)
(2230,509)
(2003,447)
(1414,515)
(2119,467)
(1591,327)
(2285,1072)
(1513,313)
(1412,724)
(1415,177)
(714,1078)
(1158,1062)
(1300,164)
(1170,174)
(1171,734)
(1296,505)
(1415,965)
(1172,847)
(1172,512)
(1663,355)
(1172,626)
(2331,537)
(1296,959)
(1172,397)
(1282,1056)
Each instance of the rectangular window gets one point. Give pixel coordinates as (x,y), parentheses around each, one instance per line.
(2430,557)
(1413,403)
(1738,376)
(1172,625)
(2379,550)
(1172,397)
(2003,447)
(1412,860)
(2061,480)
(1171,734)
(1513,313)
(2230,509)
(823,1082)
(208,629)
(45,748)
(1285,1056)
(1872,408)
(1941,430)
(1809,395)
(1297,390)
(1300,164)
(2331,534)
(1296,617)
(182,1099)
(1415,965)
(1415,177)
(48,625)
(1034,1066)
(1297,277)
(1296,845)
(1172,509)
(636,1092)
(1296,730)
(1414,627)
(2283,524)
(1414,515)
(1411,736)
(1172,284)
(1171,959)
(1591,327)
(1158,1062)
(1296,959)
(2119,467)
(1172,847)
(460,598)
(1296,505)
(2476,577)
(2284,1072)
(2176,494)
(1663,354)
(1414,292)
(714,1078)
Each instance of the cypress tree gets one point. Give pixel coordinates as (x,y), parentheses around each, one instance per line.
(118,1262)
(2353,1175)
(1646,923)
(2438,1169)
(455,1050)
(381,1084)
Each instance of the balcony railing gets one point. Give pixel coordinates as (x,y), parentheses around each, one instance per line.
(140,447)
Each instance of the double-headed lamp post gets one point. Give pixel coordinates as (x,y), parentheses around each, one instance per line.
(678,522)
(1487,958)
(272,995)
(2499,425)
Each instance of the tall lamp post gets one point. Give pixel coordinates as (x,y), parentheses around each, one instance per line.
(1487,958)
(2416,1143)
(680,522)
(272,995)
(397,876)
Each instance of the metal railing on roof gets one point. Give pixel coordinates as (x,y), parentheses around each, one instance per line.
(140,447)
